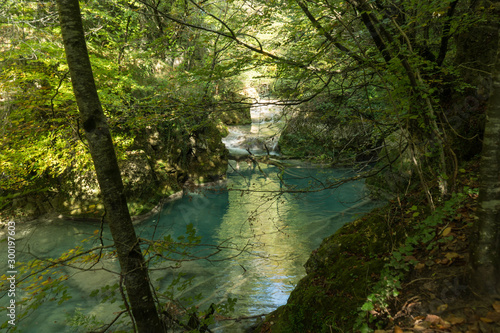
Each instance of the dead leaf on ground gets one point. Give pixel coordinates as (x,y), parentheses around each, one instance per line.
(452,255)
(455,319)
(493,315)
(446,232)
(398,329)
(442,261)
(419,266)
(421,327)
(437,321)
(433,319)
(442,308)
(496,306)
(410,258)
(486,320)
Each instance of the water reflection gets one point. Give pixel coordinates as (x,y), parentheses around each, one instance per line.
(283,228)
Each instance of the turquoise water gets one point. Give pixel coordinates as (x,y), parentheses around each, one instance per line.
(266,234)
(257,230)
(278,229)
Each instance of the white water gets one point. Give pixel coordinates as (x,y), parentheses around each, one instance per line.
(262,133)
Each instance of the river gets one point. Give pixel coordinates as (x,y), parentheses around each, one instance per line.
(265,221)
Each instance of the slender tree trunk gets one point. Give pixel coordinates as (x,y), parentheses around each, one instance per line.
(101,148)
(485,258)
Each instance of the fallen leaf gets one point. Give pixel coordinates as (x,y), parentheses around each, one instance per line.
(397,329)
(446,232)
(442,261)
(486,320)
(419,266)
(442,307)
(421,326)
(433,319)
(451,255)
(496,306)
(410,258)
(494,316)
(455,319)
(444,325)
(484,327)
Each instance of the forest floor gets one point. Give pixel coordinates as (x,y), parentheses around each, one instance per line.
(435,296)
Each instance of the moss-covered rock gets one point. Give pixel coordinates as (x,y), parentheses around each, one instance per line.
(339,276)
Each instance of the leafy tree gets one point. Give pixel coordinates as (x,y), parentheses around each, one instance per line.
(37,112)
(42,139)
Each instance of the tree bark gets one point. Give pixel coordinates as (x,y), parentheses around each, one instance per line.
(485,255)
(134,270)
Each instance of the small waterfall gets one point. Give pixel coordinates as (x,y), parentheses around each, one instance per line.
(259,138)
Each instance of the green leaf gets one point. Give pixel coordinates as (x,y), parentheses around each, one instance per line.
(368,306)
(365,328)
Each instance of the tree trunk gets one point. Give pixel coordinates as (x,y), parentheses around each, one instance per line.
(131,260)
(485,255)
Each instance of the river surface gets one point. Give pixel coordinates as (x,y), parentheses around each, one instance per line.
(257,230)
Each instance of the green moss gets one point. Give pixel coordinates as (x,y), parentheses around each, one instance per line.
(339,277)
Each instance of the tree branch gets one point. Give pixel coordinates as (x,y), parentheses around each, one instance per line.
(328,36)
(370,21)
(231,34)
(445,37)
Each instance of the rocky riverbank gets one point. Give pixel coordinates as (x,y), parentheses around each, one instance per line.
(162,158)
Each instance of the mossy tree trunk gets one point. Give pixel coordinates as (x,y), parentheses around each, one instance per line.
(485,257)
(101,148)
